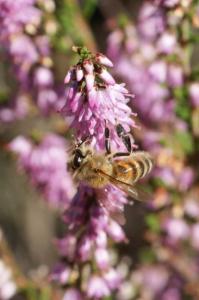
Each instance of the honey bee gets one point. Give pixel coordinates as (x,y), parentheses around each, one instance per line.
(100,169)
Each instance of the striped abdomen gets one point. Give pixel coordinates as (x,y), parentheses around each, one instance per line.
(130,169)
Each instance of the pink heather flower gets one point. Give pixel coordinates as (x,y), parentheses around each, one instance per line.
(168,3)
(102,258)
(177,229)
(97,288)
(88,66)
(167,175)
(98,226)
(90,80)
(67,246)
(172,293)
(167,43)
(46,166)
(73,294)
(15,14)
(79,74)
(8,287)
(151,102)
(106,77)
(46,99)
(103,60)
(175,76)
(191,208)
(49,99)
(27,55)
(85,247)
(69,75)
(43,77)
(89,117)
(113,278)
(114,44)
(151,21)
(24,54)
(115,231)
(43,45)
(94,100)
(22,147)
(112,200)
(154,278)
(60,273)
(186,178)
(101,239)
(158,70)
(16,110)
(194,93)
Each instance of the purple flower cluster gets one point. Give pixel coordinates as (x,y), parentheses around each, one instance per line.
(28,48)
(94,101)
(15,15)
(86,244)
(45,165)
(146,64)
(154,59)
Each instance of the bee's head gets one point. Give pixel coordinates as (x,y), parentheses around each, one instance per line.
(78,157)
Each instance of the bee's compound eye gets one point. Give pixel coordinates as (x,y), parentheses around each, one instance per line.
(77,159)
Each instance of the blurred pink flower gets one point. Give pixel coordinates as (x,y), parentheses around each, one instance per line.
(8,287)
(194,93)
(15,14)
(167,43)
(97,288)
(43,77)
(175,76)
(73,294)
(177,229)
(167,3)
(155,278)
(46,166)
(151,22)
(191,207)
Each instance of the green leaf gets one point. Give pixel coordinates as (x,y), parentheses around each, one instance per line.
(183,109)
(153,222)
(89,7)
(45,293)
(185,140)
(147,255)
(3,96)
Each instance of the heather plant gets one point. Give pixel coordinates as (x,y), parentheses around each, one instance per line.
(159,52)
(79,95)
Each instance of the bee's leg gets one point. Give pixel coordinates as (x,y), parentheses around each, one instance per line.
(107,140)
(84,140)
(125,137)
(118,154)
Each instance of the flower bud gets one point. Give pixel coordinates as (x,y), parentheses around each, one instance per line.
(102,258)
(79,74)
(88,66)
(68,76)
(90,80)
(102,59)
(106,77)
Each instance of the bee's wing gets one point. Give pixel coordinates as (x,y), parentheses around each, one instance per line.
(118,216)
(133,191)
